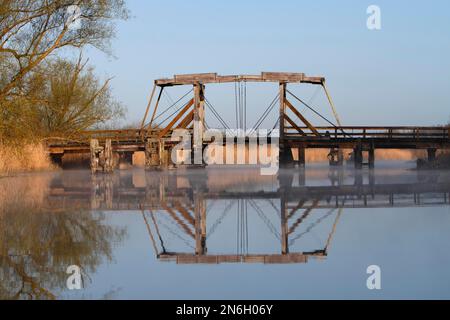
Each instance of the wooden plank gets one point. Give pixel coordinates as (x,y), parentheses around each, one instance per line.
(186,79)
(301,117)
(177,117)
(228,78)
(285,258)
(282,76)
(313,80)
(148,106)
(186,121)
(195,77)
(164,82)
(229,258)
(249,77)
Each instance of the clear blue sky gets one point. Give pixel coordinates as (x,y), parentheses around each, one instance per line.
(398,75)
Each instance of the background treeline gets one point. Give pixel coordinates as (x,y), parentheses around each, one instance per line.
(42,92)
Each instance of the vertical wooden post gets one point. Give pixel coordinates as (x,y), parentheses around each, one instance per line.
(163,155)
(108,154)
(285,153)
(341,157)
(301,156)
(95,149)
(152,160)
(200,225)
(372,157)
(301,177)
(282,94)
(431,152)
(358,156)
(199,123)
(284,226)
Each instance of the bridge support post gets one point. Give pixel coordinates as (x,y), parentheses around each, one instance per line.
(108,165)
(301,156)
(431,152)
(301,177)
(284,227)
(152,154)
(336,157)
(285,152)
(358,157)
(101,157)
(199,124)
(95,155)
(200,225)
(359,179)
(371,157)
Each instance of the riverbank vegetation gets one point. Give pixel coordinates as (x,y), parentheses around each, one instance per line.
(44,94)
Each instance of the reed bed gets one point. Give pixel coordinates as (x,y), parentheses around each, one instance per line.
(29,157)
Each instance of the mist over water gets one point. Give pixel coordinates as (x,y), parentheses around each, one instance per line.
(227,233)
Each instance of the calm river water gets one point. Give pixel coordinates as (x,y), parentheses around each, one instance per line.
(226,234)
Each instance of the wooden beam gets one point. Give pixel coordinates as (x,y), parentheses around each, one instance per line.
(302,118)
(195,77)
(177,219)
(156,107)
(185,213)
(296,208)
(282,111)
(199,123)
(303,217)
(292,123)
(330,101)
(204,78)
(282,76)
(148,106)
(177,117)
(284,226)
(186,121)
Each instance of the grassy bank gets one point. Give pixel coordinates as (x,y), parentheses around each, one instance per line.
(28,157)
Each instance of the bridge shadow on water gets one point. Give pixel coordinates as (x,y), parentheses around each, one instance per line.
(193,205)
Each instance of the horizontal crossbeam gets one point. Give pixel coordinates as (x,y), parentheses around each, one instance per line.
(204,78)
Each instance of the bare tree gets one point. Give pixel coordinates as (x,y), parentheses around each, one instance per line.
(31,30)
(59,99)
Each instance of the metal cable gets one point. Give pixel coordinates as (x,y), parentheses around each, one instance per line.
(311,108)
(221,120)
(173,113)
(265,113)
(264,218)
(172,106)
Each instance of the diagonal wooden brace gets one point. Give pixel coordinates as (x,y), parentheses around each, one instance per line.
(177,117)
(302,118)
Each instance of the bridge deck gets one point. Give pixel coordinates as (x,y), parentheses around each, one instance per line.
(328,137)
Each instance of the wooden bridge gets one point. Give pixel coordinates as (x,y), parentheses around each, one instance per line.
(295,133)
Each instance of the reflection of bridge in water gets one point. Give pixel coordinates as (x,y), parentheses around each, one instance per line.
(176,204)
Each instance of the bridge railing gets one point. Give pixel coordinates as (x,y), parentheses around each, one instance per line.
(122,136)
(358,132)
(346,132)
